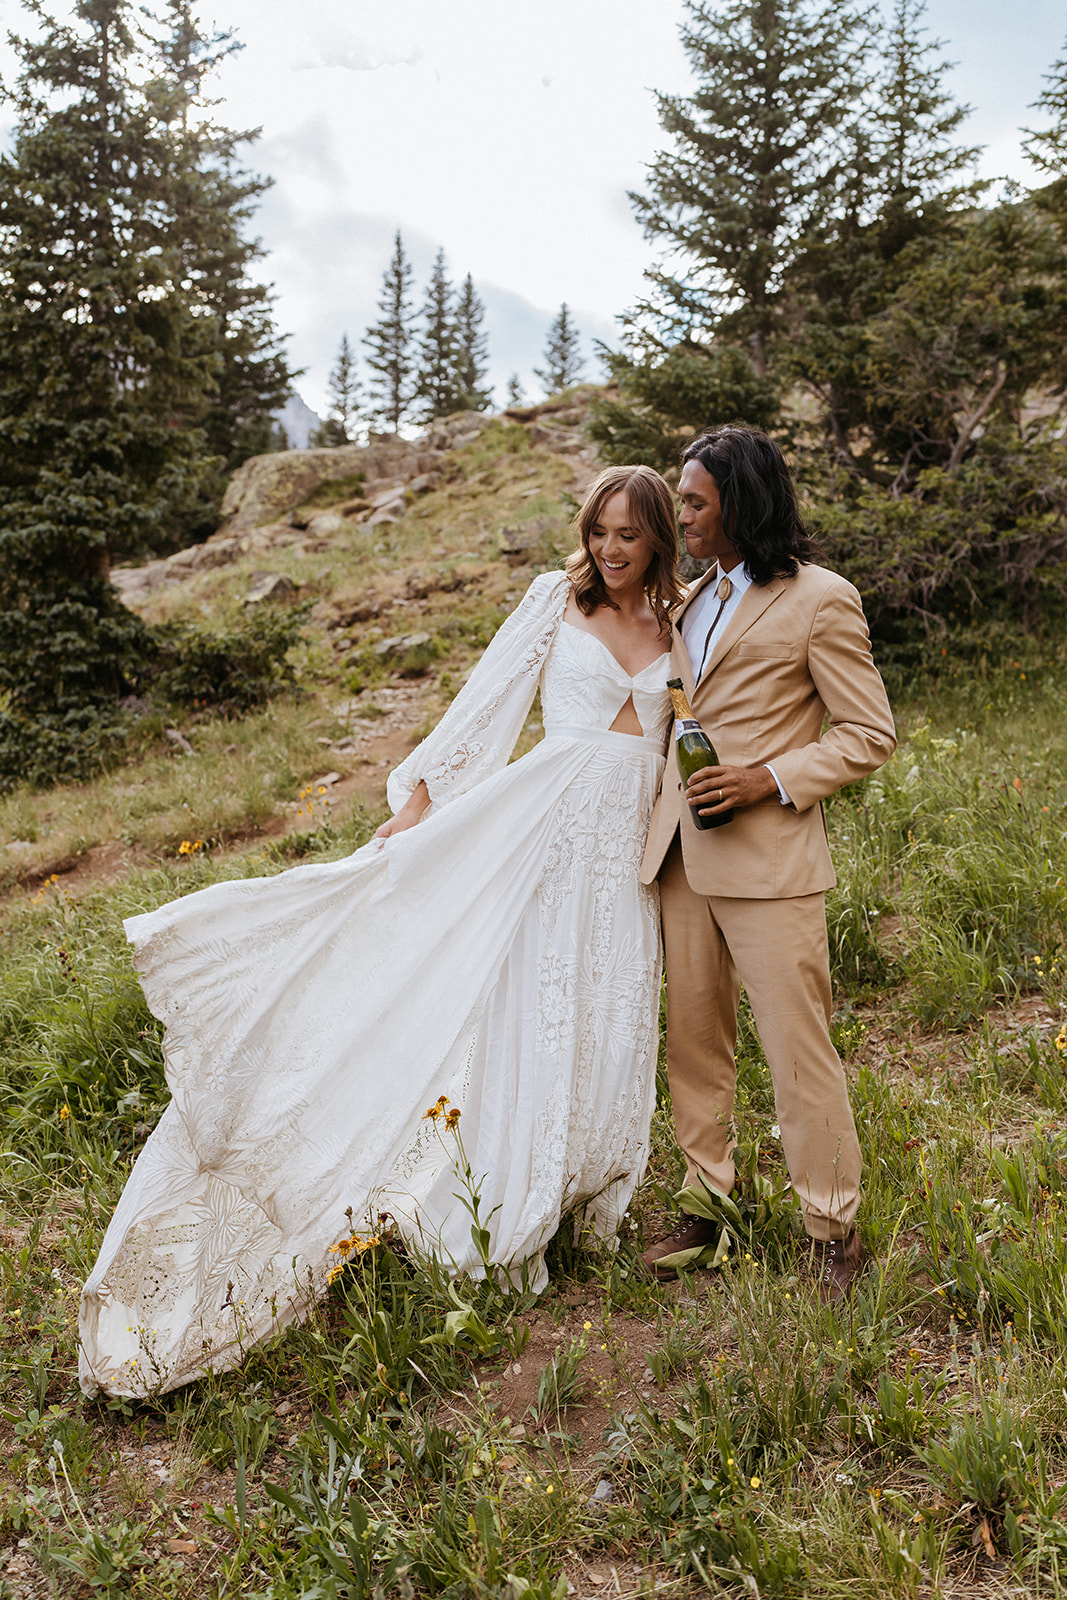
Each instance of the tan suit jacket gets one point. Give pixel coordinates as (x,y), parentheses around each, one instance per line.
(795,652)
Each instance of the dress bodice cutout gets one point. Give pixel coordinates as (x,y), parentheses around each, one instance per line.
(583,685)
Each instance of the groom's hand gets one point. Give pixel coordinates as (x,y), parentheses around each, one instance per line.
(715,789)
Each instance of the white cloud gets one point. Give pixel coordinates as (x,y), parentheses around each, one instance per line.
(333,45)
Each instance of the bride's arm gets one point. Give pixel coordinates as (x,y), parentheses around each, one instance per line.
(477,733)
(410,813)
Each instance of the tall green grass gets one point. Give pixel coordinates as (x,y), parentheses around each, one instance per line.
(747,1440)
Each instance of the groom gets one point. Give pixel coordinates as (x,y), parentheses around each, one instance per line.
(769,647)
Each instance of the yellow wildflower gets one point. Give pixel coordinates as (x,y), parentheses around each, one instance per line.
(755,1482)
(451,1118)
(64,1113)
(1061,1038)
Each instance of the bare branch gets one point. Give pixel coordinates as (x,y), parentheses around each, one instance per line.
(969,424)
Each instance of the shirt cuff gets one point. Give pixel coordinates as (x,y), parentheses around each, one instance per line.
(783,797)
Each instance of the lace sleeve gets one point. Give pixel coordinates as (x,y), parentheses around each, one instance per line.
(478,732)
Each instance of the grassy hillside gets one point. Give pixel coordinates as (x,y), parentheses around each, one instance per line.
(725,1435)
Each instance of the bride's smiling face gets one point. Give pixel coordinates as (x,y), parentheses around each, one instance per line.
(622,552)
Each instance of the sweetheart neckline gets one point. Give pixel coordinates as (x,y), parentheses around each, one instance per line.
(632,676)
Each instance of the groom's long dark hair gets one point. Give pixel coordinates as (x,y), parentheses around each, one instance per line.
(760,515)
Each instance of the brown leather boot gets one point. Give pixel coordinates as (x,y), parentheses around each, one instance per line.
(691,1233)
(833,1264)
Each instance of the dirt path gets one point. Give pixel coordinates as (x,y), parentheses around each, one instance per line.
(106,864)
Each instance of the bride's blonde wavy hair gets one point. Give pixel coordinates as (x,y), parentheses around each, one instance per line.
(650,508)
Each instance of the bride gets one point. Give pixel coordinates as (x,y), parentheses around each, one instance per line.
(501,954)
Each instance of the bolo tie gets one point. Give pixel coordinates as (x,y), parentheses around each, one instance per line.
(724,590)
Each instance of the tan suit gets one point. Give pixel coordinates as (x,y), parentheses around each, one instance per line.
(745,903)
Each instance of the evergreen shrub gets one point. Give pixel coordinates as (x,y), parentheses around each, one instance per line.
(48,736)
(974,553)
(229,670)
(665,402)
(58,748)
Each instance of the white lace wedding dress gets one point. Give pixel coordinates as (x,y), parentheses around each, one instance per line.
(502,953)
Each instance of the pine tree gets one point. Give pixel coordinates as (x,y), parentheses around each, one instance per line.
(343,389)
(754,163)
(451,357)
(516,394)
(388,343)
(211,199)
(111,362)
(663,401)
(1047,148)
(472,349)
(437,356)
(563,363)
(916,156)
(99,388)
(904,187)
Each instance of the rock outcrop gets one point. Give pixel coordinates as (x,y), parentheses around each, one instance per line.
(269,502)
(265,488)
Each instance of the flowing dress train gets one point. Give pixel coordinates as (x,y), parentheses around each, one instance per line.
(501,953)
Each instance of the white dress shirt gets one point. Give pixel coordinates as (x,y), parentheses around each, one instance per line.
(699,616)
(698,619)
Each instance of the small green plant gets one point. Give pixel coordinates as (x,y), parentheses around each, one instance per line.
(560,1384)
(679,1346)
(108,1559)
(905,1552)
(1003,1259)
(903,1415)
(992,1461)
(1048,1067)
(757,1219)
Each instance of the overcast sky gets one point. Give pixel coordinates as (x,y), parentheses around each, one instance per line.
(509,132)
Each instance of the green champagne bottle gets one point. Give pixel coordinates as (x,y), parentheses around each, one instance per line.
(694,750)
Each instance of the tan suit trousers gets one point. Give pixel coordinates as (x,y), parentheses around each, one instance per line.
(778,950)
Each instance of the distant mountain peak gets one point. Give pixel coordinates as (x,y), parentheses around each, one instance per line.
(298,420)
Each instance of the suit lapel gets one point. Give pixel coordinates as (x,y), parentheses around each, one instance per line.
(693,590)
(750,608)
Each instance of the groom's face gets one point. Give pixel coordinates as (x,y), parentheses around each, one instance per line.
(701,517)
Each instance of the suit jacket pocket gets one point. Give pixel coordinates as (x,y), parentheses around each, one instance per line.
(770,652)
